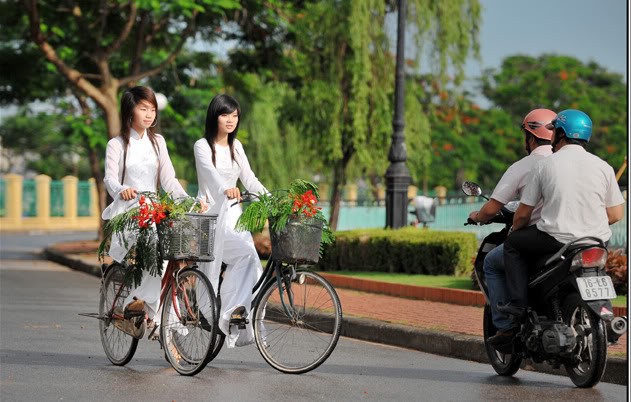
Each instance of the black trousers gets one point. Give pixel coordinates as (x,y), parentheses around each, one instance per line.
(521,249)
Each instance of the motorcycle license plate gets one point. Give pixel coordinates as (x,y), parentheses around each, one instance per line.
(596,288)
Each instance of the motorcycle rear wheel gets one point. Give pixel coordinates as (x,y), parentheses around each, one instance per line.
(591,347)
(503,364)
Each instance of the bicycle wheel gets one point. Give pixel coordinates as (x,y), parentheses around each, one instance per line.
(118,346)
(219,336)
(188,327)
(303,340)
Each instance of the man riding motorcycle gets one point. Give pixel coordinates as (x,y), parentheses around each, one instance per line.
(582,198)
(510,187)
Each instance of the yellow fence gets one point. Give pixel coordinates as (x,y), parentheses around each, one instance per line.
(13,219)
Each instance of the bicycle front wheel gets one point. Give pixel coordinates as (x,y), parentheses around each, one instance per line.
(188,327)
(118,346)
(300,336)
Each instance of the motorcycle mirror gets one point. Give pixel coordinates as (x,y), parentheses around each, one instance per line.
(471,189)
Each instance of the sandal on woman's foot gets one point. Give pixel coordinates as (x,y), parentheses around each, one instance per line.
(238,313)
(135,307)
(135,326)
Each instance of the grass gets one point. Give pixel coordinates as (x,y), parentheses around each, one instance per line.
(436,281)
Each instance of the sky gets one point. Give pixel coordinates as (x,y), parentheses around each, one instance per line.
(590,30)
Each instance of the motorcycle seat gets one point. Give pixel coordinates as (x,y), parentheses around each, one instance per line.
(538,265)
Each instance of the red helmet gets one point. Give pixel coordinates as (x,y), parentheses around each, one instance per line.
(536,121)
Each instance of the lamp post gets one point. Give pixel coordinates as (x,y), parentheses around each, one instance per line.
(397,174)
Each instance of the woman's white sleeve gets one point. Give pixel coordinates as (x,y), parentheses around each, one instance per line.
(113,155)
(207,172)
(168,181)
(247,177)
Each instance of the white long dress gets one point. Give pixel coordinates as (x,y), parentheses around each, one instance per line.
(235,249)
(141,173)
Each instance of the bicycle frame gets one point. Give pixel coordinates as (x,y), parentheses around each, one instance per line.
(170,276)
(273,271)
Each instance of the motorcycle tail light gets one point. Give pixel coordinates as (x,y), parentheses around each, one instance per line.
(594,257)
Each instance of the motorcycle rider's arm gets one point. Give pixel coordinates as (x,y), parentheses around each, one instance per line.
(522,216)
(615,213)
(488,211)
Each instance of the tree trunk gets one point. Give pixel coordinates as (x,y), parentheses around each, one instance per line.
(339,180)
(95,166)
(336,197)
(110,110)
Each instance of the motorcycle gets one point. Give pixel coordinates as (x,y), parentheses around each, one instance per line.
(569,319)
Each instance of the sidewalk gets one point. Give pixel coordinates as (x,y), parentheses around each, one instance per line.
(448,329)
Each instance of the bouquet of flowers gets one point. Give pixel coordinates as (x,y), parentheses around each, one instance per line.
(140,224)
(296,222)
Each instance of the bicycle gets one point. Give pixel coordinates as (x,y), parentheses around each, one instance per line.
(189,310)
(297,314)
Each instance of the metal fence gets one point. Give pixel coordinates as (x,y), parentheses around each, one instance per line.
(29,198)
(366,213)
(3,198)
(450,216)
(56,198)
(84,199)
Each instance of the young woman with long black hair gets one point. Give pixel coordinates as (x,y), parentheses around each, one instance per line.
(221,161)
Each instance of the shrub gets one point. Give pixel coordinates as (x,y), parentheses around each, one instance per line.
(617,269)
(408,250)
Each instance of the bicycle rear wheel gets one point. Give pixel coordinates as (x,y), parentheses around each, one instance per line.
(303,340)
(118,346)
(188,329)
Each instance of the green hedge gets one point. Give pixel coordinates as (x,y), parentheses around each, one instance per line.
(409,250)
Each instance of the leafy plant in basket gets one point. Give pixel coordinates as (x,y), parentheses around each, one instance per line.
(297,226)
(140,223)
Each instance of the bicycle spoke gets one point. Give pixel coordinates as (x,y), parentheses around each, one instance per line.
(301,338)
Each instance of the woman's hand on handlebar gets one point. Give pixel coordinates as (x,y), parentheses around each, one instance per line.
(128,194)
(203,206)
(233,193)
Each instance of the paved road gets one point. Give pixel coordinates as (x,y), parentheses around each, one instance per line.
(49,352)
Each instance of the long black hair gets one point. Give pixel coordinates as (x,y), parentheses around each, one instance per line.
(130,99)
(221,104)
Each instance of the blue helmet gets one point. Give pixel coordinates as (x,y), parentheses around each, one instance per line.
(576,124)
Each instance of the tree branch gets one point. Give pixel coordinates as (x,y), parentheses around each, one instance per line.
(139,44)
(126,30)
(190,28)
(74,76)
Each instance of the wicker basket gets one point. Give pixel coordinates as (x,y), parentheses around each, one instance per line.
(298,242)
(191,238)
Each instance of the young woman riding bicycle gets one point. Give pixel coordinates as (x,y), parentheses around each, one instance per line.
(221,161)
(138,161)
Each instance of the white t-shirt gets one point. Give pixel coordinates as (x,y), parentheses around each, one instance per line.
(576,188)
(511,185)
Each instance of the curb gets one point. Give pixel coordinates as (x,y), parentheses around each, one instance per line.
(450,344)
(442,295)
(72,263)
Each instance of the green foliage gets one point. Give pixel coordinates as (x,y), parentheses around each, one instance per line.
(51,143)
(136,228)
(408,250)
(281,205)
(557,82)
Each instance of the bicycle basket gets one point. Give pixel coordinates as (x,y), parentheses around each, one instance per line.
(191,238)
(298,242)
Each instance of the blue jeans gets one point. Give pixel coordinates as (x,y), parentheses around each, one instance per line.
(496,282)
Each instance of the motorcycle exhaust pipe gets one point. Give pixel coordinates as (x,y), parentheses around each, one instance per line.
(616,328)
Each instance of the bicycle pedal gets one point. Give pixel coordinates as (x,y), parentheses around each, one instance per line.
(239,322)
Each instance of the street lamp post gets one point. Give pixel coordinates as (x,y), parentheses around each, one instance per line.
(397,174)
